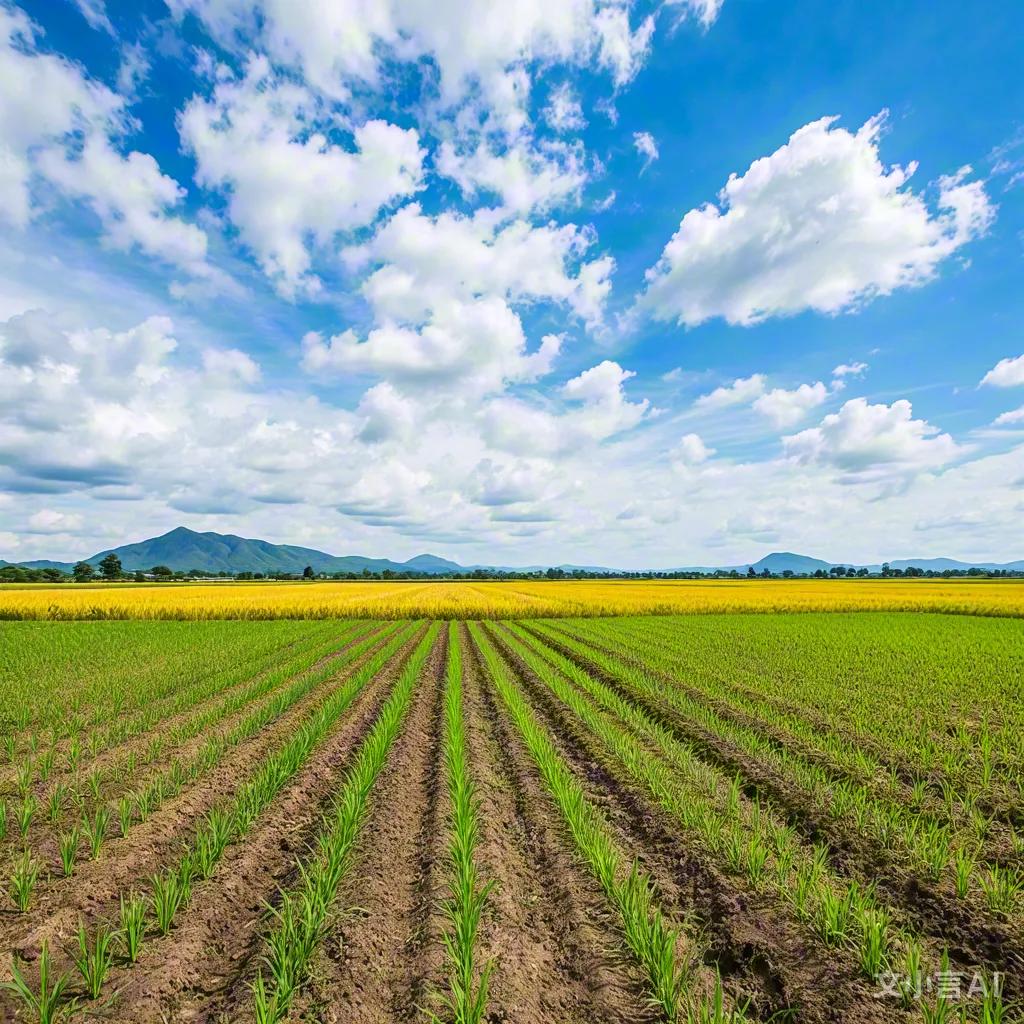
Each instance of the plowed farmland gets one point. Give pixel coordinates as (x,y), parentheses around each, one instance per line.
(810,817)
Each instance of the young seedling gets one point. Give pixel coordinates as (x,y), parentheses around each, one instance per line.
(26,812)
(68,846)
(963,868)
(96,830)
(55,802)
(23,778)
(166,899)
(133,927)
(125,814)
(1002,887)
(23,880)
(44,1005)
(94,960)
(95,782)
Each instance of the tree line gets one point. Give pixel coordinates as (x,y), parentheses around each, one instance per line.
(110,570)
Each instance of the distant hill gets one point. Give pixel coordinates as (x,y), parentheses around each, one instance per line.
(938,564)
(182,549)
(783,561)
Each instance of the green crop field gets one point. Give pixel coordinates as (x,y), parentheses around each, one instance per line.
(795,817)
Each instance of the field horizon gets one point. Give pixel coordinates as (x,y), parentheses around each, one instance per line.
(447,599)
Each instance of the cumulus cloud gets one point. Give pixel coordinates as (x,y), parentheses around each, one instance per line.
(1007,373)
(849,370)
(57,123)
(443,291)
(820,224)
(419,261)
(48,520)
(692,451)
(787,408)
(263,140)
(866,442)
(741,391)
(606,409)
(644,144)
(522,176)
(387,415)
(480,53)
(132,199)
(477,345)
(601,410)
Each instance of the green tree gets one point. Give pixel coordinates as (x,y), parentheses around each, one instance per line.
(83,572)
(110,567)
(308,574)
(163,572)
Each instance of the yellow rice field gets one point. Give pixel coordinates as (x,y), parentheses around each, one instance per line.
(445,599)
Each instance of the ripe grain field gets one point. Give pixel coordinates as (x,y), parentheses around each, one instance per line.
(690,818)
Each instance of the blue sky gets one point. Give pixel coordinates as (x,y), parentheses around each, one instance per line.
(632,283)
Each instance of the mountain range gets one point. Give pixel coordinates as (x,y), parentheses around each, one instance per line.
(182,549)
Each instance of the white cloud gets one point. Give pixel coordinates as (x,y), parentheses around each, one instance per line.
(820,224)
(1011,418)
(42,98)
(95,13)
(479,346)
(387,415)
(644,144)
(57,123)
(849,370)
(262,140)
(868,442)
(621,49)
(230,366)
(421,261)
(563,112)
(705,11)
(1007,373)
(48,520)
(692,451)
(481,53)
(524,177)
(787,408)
(606,409)
(741,391)
(603,411)
(133,200)
(133,70)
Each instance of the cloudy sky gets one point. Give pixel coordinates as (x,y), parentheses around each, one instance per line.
(642,284)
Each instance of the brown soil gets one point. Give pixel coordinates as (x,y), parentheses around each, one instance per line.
(381,958)
(973,938)
(555,953)
(762,954)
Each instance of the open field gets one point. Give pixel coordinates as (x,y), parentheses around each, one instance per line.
(696,818)
(442,599)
